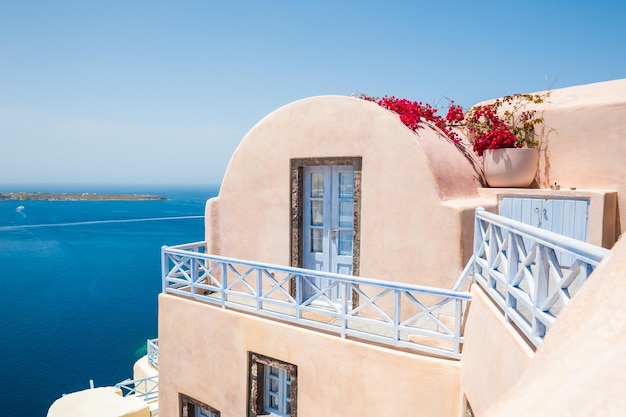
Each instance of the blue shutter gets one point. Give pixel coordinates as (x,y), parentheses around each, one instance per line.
(566,216)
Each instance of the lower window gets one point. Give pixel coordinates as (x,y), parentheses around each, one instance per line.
(193,408)
(276,396)
(272,386)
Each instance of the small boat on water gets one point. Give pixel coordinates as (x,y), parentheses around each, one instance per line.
(19,209)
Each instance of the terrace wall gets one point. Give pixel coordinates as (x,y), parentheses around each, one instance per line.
(584,142)
(205,356)
(494,354)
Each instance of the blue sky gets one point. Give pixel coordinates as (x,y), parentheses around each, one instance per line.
(134,92)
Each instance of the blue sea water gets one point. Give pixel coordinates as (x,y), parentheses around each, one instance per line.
(79,285)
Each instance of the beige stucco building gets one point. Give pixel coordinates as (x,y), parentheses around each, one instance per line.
(339,184)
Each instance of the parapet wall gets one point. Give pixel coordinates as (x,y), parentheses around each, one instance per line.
(580,369)
(584,140)
(494,354)
(205,356)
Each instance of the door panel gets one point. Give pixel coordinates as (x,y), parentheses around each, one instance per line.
(315,218)
(566,216)
(342,220)
(328,223)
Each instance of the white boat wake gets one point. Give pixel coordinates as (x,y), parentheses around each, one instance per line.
(148,219)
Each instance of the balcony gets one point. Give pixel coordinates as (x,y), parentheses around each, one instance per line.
(530,273)
(427,320)
(517,265)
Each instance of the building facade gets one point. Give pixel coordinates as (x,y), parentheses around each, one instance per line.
(339,186)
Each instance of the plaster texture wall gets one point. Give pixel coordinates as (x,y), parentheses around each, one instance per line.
(99,402)
(407,232)
(494,354)
(580,369)
(143,369)
(584,140)
(418,195)
(205,356)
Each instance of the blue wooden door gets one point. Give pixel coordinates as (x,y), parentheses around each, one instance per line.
(328,222)
(566,216)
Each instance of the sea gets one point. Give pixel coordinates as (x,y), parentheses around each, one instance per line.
(79,282)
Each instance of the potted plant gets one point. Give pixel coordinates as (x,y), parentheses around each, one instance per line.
(503,133)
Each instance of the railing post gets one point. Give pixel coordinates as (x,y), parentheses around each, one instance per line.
(224,283)
(259,289)
(346,305)
(511,270)
(164,268)
(193,273)
(542,283)
(478,236)
(458,319)
(481,242)
(491,241)
(396,315)
(298,281)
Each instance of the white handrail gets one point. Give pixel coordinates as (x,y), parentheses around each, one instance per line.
(193,247)
(517,264)
(404,315)
(522,268)
(583,250)
(153,352)
(146,389)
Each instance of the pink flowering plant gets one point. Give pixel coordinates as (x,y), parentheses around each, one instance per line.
(504,123)
(414,113)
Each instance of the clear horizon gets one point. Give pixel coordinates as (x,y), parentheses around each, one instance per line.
(148,92)
(98,187)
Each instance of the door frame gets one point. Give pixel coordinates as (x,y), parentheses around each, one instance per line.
(297,204)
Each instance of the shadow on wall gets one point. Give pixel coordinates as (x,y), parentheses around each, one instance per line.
(466,149)
(618,225)
(543,176)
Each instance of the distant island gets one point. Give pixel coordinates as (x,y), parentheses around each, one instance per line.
(21,196)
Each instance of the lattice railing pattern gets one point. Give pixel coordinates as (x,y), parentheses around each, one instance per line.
(409,316)
(518,265)
(146,389)
(153,352)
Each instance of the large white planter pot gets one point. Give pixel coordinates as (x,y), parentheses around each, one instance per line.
(510,167)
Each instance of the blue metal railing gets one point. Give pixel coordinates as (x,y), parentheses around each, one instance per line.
(153,352)
(403,315)
(146,389)
(521,269)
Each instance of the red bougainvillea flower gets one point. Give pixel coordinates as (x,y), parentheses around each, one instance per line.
(504,123)
(413,113)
